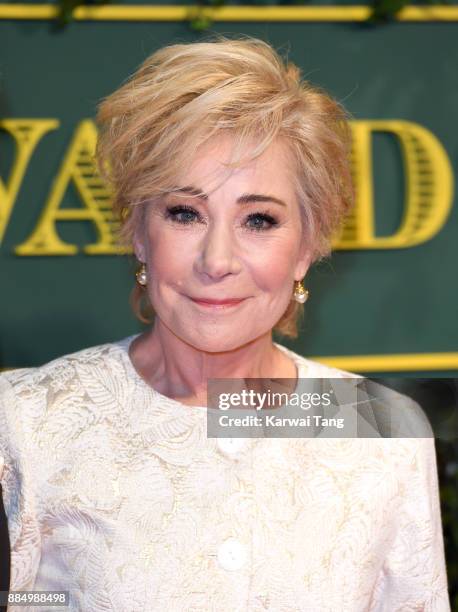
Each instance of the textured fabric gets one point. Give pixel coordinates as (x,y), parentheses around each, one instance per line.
(114,493)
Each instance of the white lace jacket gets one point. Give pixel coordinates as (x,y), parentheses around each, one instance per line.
(114,493)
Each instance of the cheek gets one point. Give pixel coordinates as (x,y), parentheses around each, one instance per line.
(273,268)
(169,257)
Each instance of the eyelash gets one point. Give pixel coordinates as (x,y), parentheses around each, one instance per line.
(173,211)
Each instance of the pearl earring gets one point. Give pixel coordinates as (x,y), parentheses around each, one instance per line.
(140,275)
(300,293)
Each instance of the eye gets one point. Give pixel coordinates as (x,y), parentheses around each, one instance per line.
(186,215)
(181,214)
(261,221)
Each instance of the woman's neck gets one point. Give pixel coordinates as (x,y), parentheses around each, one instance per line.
(180,371)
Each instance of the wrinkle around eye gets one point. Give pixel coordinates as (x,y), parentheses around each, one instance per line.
(172,213)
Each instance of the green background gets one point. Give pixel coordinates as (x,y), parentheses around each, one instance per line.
(366,302)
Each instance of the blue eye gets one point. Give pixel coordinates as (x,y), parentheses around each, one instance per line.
(186,215)
(181,214)
(260,220)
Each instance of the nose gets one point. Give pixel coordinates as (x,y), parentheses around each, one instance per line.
(217,256)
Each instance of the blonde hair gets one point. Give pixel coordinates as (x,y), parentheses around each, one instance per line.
(183,95)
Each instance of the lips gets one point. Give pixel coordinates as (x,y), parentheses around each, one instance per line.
(218,302)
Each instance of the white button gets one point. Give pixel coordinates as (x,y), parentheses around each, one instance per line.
(231,445)
(232,554)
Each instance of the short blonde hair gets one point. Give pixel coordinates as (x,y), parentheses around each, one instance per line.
(183,95)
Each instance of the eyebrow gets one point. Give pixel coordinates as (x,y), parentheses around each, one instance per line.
(246,198)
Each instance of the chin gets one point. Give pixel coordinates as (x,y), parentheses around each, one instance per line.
(214,343)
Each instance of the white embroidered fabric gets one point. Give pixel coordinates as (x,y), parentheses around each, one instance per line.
(114,493)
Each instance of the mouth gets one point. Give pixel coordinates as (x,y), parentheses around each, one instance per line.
(217,304)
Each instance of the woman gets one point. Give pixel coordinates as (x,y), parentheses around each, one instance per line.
(230,175)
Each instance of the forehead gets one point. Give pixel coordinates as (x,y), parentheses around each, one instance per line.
(207,170)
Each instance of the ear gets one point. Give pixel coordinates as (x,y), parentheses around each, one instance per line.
(138,243)
(303,263)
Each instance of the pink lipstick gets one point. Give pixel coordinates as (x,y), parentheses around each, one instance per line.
(218,304)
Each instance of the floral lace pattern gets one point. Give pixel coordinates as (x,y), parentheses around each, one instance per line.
(115,493)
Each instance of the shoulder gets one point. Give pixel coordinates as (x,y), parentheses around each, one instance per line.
(48,407)
(41,399)
(380,410)
(56,374)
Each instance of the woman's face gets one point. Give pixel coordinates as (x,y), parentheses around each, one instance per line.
(242,240)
